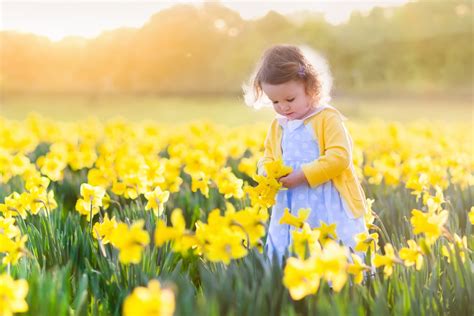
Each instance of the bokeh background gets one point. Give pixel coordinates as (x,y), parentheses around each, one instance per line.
(169,61)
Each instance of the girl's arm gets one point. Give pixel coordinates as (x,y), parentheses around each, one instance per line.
(337,153)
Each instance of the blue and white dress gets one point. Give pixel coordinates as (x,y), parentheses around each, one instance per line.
(299,146)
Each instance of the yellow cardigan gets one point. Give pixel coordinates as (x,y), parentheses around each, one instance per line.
(334,162)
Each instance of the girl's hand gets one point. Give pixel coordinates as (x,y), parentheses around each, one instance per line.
(293,179)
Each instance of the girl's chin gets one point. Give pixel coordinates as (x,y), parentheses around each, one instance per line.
(293,116)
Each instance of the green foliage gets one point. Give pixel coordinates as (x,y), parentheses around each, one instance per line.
(68,275)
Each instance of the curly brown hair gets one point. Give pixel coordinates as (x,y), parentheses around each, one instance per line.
(282,63)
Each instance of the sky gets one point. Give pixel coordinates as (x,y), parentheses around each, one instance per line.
(58,19)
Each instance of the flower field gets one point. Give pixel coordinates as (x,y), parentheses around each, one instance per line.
(122,218)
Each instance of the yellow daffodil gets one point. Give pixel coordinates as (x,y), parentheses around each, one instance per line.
(296,221)
(91,200)
(364,241)
(369,215)
(461,244)
(156,200)
(300,277)
(182,239)
(225,247)
(102,177)
(434,203)
(37,182)
(276,169)
(92,194)
(429,224)
(8,227)
(250,220)
(200,181)
(357,268)
(331,264)
(19,164)
(41,200)
(387,261)
(164,233)
(53,164)
(418,184)
(150,301)
(104,230)
(16,205)
(327,232)
(248,165)
(220,239)
(412,255)
(12,295)
(13,248)
(130,241)
(263,195)
(228,184)
(130,186)
(306,239)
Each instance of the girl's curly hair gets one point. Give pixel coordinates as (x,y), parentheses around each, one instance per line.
(282,63)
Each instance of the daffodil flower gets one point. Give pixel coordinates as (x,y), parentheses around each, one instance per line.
(150,300)
(296,221)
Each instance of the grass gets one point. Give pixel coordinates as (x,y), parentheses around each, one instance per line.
(68,275)
(229,110)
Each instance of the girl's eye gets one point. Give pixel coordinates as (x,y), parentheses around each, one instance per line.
(290,100)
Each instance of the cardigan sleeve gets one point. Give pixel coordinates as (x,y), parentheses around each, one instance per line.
(268,154)
(337,153)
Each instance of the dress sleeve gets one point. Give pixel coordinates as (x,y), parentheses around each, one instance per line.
(337,153)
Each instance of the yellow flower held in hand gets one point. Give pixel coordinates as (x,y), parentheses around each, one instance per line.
(276,169)
(263,195)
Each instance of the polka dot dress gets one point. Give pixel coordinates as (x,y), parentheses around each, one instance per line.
(299,146)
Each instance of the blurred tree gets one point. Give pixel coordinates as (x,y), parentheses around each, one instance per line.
(189,49)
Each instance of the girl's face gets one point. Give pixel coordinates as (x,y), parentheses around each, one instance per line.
(289,99)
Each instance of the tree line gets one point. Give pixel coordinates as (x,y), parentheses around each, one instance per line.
(188,49)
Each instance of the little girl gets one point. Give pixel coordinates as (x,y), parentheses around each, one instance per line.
(308,135)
